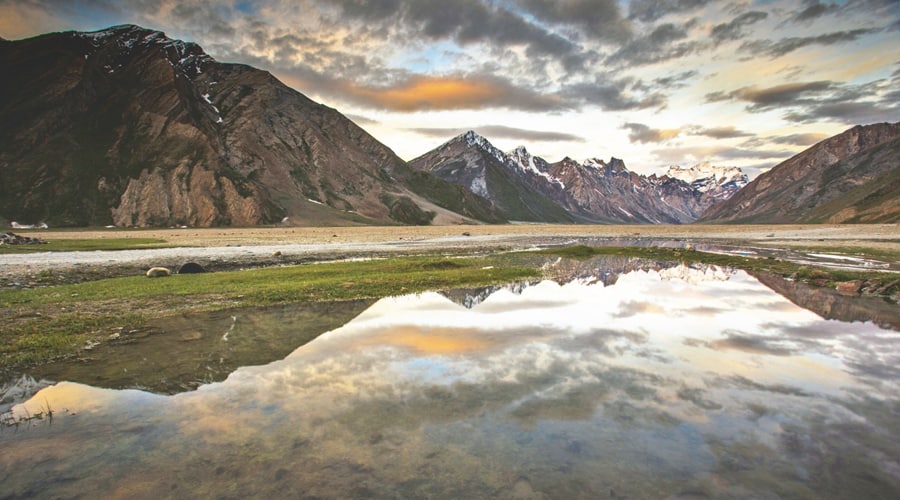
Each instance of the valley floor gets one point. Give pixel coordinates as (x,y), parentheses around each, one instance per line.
(225,248)
(879,235)
(235,248)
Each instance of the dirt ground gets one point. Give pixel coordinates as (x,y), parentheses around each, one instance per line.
(235,248)
(884,236)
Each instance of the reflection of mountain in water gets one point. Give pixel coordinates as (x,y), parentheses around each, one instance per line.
(180,353)
(830,304)
(601,269)
(471,297)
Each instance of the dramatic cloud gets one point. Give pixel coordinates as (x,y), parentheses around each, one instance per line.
(662,44)
(726,132)
(799,139)
(638,132)
(676,81)
(651,10)
(814,9)
(578,68)
(849,113)
(641,133)
(788,45)
(772,97)
(472,21)
(615,95)
(601,19)
(500,132)
(444,93)
(809,102)
(734,30)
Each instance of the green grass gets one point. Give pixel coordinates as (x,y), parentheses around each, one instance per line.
(41,324)
(73,245)
(47,323)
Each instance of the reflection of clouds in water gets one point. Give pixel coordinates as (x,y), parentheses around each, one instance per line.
(558,339)
(648,367)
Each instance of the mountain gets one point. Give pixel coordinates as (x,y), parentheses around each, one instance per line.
(126,126)
(471,161)
(853,177)
(524,187)
(717,183)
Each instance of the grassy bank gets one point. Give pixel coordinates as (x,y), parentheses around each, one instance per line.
(42,324)
(46,323)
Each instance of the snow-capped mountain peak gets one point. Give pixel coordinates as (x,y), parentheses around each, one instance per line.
(186,56)
(594,163)
(719,182)
(473,139)
(526,187)
(706,170)
(532,165)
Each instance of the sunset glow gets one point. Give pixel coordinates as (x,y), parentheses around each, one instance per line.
(742,83)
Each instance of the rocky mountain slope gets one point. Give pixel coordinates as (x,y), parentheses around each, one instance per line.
(471,161)
(716,183)
(853,177)
(126,126)
(528,188)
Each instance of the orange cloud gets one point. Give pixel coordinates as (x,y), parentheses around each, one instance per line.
(433,93)
(431,340)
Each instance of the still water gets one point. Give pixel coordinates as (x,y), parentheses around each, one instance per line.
(657,382)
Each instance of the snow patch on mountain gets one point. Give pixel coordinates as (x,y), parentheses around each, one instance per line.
(526,162)
(186,56)
(712,176)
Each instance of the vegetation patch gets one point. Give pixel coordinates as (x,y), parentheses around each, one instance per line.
(42,324)
(84,245)
(404,210)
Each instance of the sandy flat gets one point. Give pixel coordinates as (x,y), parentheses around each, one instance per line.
(212,237)
(273,245)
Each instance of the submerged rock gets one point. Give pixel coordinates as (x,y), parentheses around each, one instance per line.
(849,287)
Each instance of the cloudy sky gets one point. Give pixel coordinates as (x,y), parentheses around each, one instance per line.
(655,82)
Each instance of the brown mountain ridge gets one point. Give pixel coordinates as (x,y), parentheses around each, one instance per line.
(126,126)
(853,177)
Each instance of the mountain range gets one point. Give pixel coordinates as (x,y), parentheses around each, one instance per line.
(524,187)
(853,177)
(128,127)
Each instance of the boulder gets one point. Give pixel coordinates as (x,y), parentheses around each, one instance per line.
(191,268)
(158,272)
(15,239)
